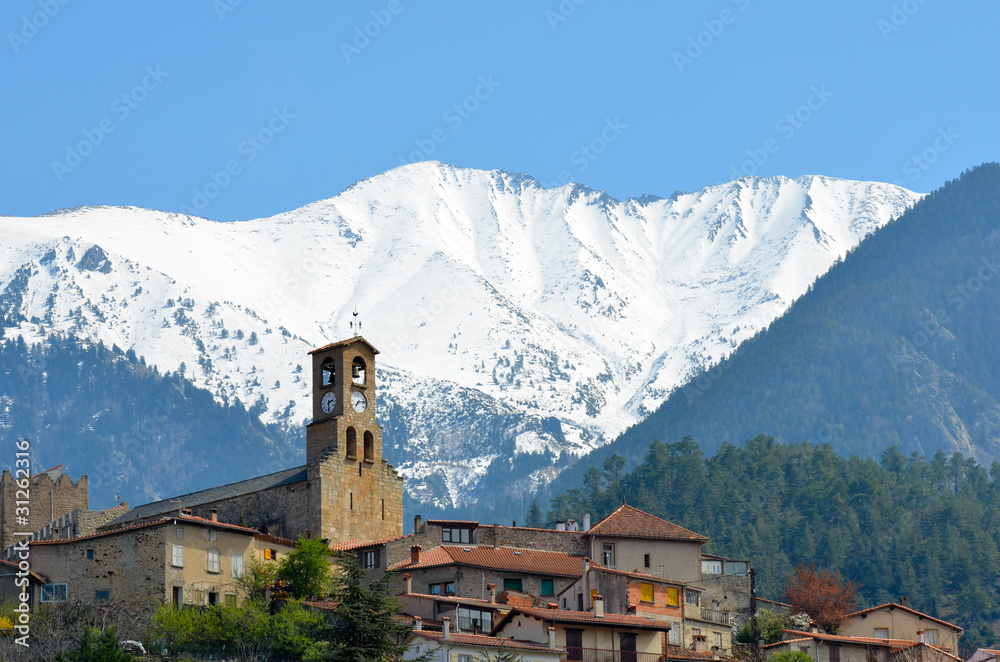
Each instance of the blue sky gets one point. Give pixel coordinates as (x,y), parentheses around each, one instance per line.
(242,109)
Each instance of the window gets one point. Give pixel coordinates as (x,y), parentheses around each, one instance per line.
(213,560)
(329,372)
(675,634)
(470,619)
(931,636)
(90,554)
(180,532)
(608,555)
(270,555)
(512,585)
(178,596)
(645,592)
(352,443)
(102,596)
(370,559)
(464,658)
(691,597)
(211,535)
(230,599)
(369,447)
(695,632)
(711,567)
(717,640)
(736,567)
(548,587)
(881,633)
(673,596)
(834,653)
(456,535)
(645,560)
(444,588)
(237,565)
(177,558)
(198,596)
(54,593)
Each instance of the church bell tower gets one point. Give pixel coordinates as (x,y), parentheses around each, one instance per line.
(354,492)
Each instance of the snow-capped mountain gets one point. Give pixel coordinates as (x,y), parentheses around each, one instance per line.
(516,323)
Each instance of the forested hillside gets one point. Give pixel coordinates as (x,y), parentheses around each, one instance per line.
(894,346)
(901,526)
(133,429)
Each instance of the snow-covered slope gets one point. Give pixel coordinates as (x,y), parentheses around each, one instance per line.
(512,319)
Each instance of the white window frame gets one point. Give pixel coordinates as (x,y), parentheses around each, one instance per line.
(237,565)
(931,636)
(55,592)
(177,556)
(214,561)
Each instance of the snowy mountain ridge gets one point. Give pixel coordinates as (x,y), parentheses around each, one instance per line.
(514,320)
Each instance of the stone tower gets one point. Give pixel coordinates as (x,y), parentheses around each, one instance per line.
(354,492)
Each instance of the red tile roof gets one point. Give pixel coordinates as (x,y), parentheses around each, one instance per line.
(157,522)
(681,653)
(503,558)
(629,522)
(342,343)
(360,543)
(584,617)
(454,599)
(483,640)
(892,606)
(10,564)
(893,644)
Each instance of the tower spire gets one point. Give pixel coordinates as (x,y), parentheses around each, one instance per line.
(355,323)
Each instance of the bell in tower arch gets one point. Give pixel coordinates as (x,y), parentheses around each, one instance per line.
(358,370)
(329,372)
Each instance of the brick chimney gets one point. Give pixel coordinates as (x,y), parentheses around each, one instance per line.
(552,637)
(409,582)
(415,553)
(493,593)
(552,605)
(700,643)
(598,606)
(920,636)
(445,628)
(213,514)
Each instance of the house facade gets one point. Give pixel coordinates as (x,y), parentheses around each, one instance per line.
(899,621)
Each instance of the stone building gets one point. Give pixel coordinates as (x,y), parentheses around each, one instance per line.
(346,490)
(51,494)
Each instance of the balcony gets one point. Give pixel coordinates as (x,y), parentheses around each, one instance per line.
(598,655)
(714,616)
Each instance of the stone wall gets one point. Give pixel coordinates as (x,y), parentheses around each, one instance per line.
(52,494)
(79,523)
(550,540)
(471,582)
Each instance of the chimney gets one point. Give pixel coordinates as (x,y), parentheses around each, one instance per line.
(418,523)
(700,643)
(514,525)
(904,601)
(415,554)
(586,522)
(598,606)
(631,608)
(493,593)
(445,628)
(552,605)
(560,526)
(920,636)
(418,623)
(552,637)
(813,627)
(496,535)
(571,525)
(213,514)
(409,582)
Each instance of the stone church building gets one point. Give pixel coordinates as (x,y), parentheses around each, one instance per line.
(346,490)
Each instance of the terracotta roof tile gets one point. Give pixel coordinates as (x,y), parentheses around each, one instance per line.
(567,616)
(360,543)
(34,574)
(454,599)
(502,558)
(193,520)
(892,605)
(484,640)
(629,522)
(643,575)
(895,644)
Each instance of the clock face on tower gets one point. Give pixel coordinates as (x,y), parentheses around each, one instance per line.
(359,401)
(328,402)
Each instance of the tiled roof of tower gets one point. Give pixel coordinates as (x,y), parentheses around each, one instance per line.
(502,558)
(344,343)
(583,617)
(284,477)
(630,522)
(890,606)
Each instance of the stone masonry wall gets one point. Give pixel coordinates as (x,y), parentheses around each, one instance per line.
(284,510)
(49,498)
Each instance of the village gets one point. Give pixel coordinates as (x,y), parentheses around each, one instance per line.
(630,587)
